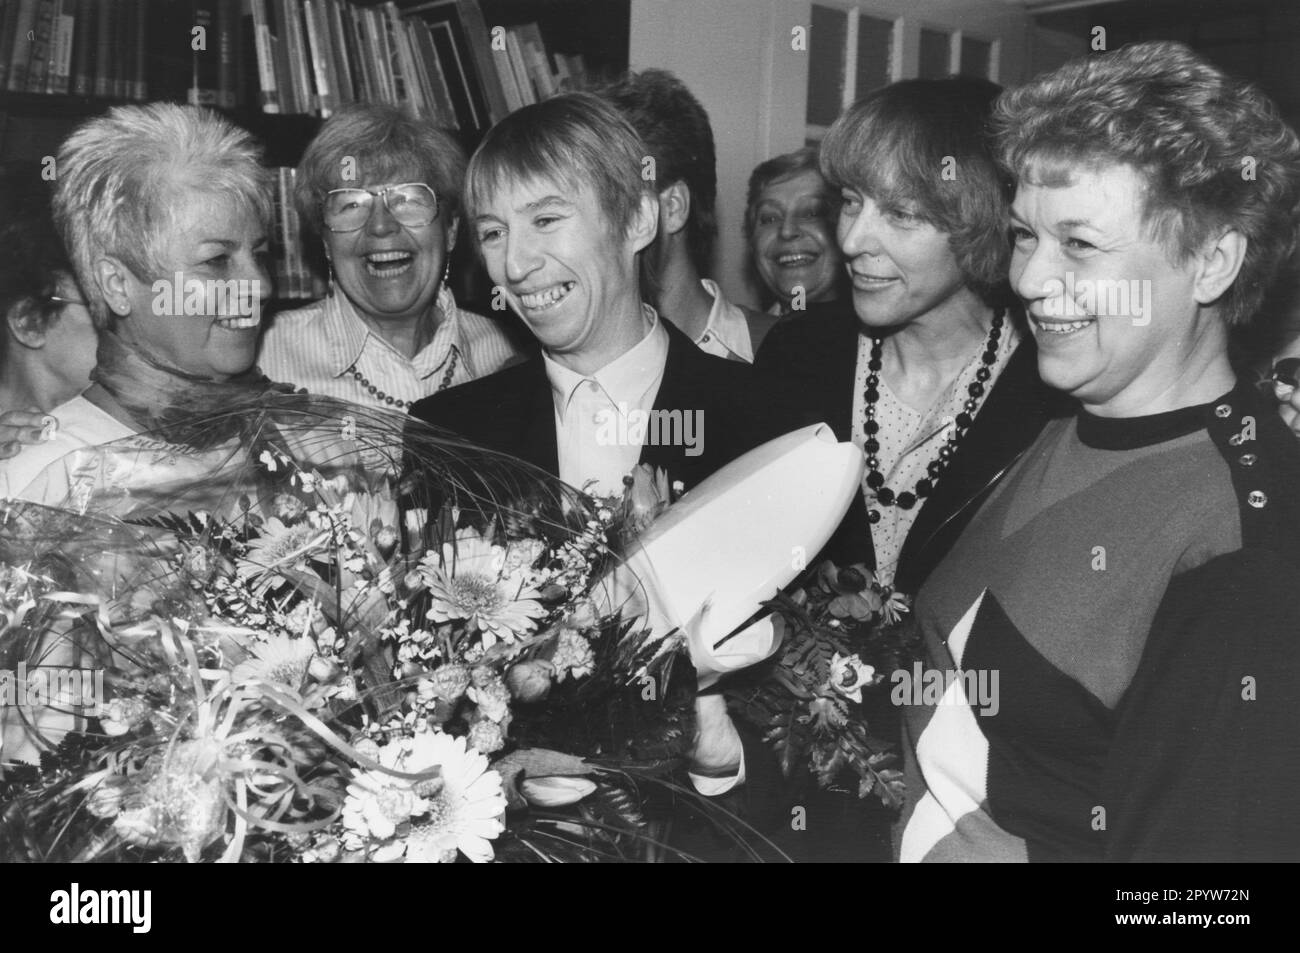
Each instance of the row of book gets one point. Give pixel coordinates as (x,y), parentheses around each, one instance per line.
(315,55)
(528,71)
(73,46)
(282,56)
(187,50)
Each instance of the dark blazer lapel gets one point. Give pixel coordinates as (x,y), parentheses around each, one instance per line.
(685,387)
(537,438)
(831,363)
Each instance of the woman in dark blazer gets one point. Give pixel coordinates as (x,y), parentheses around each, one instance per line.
(929,370)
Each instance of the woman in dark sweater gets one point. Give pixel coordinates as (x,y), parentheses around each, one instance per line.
(1128,591)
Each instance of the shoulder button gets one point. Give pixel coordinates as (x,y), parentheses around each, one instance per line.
(1257,499)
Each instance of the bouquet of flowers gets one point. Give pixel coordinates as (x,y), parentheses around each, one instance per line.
(818,699)
(317,660)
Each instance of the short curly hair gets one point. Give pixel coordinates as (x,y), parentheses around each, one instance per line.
(382,142)
(1212,150)
(927,141)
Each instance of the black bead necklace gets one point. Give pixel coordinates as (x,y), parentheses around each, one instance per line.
(875,479)
(393,401)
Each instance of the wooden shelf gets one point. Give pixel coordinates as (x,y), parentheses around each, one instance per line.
(36,123)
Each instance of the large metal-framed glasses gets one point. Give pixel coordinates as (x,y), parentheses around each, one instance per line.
(410,203)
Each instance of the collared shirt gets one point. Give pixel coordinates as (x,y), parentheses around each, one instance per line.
(601,419)
(909,440)
(316,346)
(727,333)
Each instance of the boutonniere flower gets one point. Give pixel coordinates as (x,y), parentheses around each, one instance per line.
(849,675)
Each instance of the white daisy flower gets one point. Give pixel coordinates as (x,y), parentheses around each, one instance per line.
(474,581)
(460,810)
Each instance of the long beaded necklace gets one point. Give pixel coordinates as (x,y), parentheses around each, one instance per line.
(393,401)
(875,479)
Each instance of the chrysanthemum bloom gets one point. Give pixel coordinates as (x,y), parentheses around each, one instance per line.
(492,699)
(278,659)
(460,810)
(486,736)
(474,582)
(278,546)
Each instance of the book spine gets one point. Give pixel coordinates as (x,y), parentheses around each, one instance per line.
(59,78)
(83,49)
(303,88)
(354,24)
(205,63)
(283,72)
(378,33)
(439,100)
(39,66)
(453,73)
(8,23)
(418,71)
(265,52)
(480,53)
(347,90)
(20,58)
(506,73)
(104,48)
(320,58)
(392,29)
(123,33)
(139,86)
(227,44)
(519,67)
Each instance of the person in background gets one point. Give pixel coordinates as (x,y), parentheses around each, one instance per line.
(1131,582)
(47,344)
(679,142)
(790,214)
(382,191)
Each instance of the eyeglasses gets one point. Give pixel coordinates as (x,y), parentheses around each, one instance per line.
(62,300)
(411,203)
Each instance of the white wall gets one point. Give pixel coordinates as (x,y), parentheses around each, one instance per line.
(736,56)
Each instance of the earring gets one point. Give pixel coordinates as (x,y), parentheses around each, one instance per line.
(329,266)
(446,273)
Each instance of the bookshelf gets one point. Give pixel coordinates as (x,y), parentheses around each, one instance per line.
(280,67)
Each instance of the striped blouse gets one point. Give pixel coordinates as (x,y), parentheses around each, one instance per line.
(315,348)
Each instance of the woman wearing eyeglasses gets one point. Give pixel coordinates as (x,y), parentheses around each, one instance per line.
(47,343)
(382,190)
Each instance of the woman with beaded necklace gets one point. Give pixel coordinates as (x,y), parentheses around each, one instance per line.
(382,190)
(930,372)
